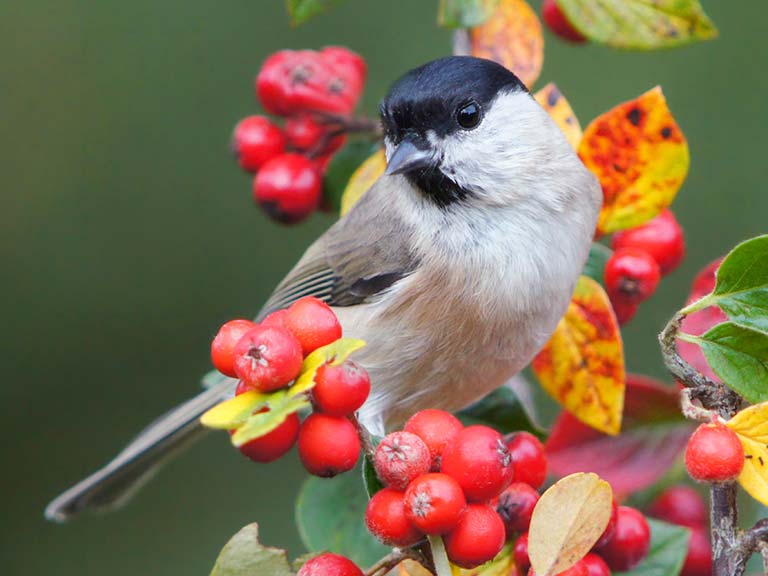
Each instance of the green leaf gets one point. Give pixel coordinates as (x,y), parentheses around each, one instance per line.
(502,410)
(669,545)
(243,555)
(739,357)
(742,284)
(595,266)
(330,516)
(370,478)
(640,24)
(302,10)
(464,13)
(340,168)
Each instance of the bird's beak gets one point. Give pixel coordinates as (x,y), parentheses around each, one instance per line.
(411,154)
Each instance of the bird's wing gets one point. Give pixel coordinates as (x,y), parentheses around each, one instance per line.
(359,257)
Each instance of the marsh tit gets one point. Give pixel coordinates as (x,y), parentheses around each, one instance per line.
(455,266)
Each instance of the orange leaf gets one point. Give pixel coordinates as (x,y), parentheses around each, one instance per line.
(512,37)
(582,365)
(553,101)
(640,156)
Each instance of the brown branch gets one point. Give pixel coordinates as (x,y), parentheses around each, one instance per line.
(730,549)
(391,560)
(366,439)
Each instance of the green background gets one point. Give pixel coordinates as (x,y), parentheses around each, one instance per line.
(127,235)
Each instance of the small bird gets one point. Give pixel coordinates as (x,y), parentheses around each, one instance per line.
(455,266)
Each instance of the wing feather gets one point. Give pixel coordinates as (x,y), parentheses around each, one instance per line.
(361,256)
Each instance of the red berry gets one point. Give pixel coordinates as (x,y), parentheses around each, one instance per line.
(275,443)
(345,58)
(243,387)
(223,345)
(714,454)
(341,390)
(522,561)
(630,543)
(268,358)
(477,538)
(328,564)
(515,506)
(624,309)
(596,566)
(400,457)
(528,459)
(294,82)
(631,275)
(698,561)
(661,237)
(559,23)
(328,445)
(610,529)
(313,322)
(288,187)
(277,318)
(681,505)
(305,134)
(437,428)
(256,140)
(480,461)
(434,502)
(386,520)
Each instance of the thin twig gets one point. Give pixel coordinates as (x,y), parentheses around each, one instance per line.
(391,560)
(366,439)
(693,411)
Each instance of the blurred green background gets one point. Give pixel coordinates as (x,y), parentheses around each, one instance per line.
(128,235)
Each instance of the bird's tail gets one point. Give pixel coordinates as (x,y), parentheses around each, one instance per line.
(113,484)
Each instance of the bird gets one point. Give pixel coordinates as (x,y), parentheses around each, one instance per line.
(454,267)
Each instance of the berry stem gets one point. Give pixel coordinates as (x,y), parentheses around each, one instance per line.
(439,556)
(391,560)
(462,43)
(366,438)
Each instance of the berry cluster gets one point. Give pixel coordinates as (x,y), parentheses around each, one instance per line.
(641,256)
(469,485)
(683,506)
(269,356)
(314,91)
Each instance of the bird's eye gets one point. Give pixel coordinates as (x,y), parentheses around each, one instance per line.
(468,115)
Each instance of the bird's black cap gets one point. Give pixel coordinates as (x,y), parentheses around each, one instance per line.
(427,97)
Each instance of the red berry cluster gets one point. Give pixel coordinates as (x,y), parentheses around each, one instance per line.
(313,91)
(622,546)
(469,485)
(269,356)
(641,257)
(684,506)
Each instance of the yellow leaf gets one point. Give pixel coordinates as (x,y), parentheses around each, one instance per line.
(280,407)
(640,156)
(335,353)
(553,101)
(751,425)
(567,521)
(512,37)
(582,365)
(233,412)
(362,179)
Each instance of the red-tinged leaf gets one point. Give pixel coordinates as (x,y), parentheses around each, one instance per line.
(582,365)
(700,322)
(653,436)
(640,156)
(512,36)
